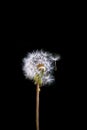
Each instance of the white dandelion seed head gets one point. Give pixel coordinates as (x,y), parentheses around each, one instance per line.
(37,60)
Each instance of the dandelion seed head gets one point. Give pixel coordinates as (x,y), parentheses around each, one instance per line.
(36,61)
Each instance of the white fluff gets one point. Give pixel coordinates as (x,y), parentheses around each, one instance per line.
(55,58)
(39,57)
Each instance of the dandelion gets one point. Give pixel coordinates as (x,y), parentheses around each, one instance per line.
(38,67)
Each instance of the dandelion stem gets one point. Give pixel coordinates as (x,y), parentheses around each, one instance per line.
(37,106)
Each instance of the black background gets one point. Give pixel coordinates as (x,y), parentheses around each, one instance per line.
(57,29)
(56,100)
(56,33)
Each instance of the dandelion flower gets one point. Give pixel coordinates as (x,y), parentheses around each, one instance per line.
(38,67)
(35,63)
